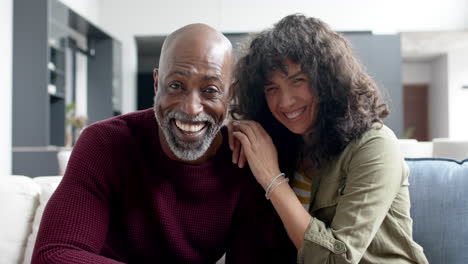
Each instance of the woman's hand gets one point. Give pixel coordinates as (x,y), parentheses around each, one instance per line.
(262,156)
(238,156)
(258,149)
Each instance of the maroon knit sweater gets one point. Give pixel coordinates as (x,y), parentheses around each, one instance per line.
(122,200)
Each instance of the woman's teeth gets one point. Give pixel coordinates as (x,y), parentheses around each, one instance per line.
(294,114)
(190,127)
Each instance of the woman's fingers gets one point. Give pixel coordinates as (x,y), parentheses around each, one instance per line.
(260,131)
(236,150)
(260,154)
(244,140)
(250,140)
(242,158)
(255,132)
(230,136)
(246,128)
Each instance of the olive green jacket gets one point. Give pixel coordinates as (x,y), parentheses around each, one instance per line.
(360,206)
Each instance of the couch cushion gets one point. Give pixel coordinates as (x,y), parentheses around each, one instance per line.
(47,185)
(19,197)
(439,200)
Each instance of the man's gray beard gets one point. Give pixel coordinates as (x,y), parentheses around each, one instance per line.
(183,150)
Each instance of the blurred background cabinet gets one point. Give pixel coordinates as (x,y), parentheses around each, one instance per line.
(60,59)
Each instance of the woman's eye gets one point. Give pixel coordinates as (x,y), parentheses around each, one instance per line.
(269,89)
(298,80)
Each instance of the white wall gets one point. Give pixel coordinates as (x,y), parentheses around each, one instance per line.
(6,65)
(162,16)
(458,97)
(379,16)
(416,72)
(125,20)
(439,99)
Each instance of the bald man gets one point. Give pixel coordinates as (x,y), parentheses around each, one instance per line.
(158,186)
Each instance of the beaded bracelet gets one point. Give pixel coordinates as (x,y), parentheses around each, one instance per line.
(268,195)
(271,183)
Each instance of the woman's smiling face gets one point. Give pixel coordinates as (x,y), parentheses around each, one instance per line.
(290,99)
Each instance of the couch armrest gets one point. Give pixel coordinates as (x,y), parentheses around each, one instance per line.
(19,198)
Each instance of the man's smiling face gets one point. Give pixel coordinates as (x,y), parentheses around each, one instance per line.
(192,94)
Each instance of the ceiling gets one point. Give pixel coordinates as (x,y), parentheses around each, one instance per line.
(425,46)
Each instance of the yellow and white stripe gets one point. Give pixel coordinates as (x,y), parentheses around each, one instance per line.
(302,186)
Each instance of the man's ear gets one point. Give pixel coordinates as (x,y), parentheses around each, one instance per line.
(155,78)
(231,90)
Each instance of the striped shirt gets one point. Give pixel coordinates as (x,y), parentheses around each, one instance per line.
(302,186)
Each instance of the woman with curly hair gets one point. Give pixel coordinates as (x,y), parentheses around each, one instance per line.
(308,113)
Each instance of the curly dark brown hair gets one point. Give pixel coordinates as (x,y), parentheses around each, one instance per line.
(349,100)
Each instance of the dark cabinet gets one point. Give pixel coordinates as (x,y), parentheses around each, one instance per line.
(47,39)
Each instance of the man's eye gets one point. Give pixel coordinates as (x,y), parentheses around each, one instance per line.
(210,90)
(175,86)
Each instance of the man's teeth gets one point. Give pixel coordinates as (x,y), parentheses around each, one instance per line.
(294,114)
(189,127)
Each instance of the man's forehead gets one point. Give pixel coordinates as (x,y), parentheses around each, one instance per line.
(211,51)
(197,65)
(195,35)
(194,72)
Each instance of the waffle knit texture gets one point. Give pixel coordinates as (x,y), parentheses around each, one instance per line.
(122,200)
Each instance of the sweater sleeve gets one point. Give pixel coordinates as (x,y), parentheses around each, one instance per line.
(258,235)
(75,221)
(374,177)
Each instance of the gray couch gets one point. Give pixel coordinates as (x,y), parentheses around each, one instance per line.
(439,199)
